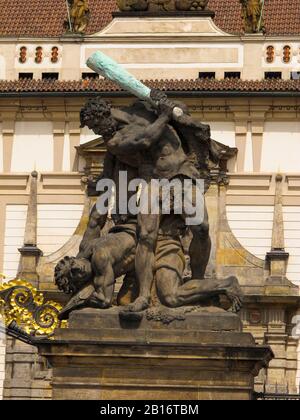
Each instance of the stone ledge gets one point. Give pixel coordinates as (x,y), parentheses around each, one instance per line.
(99,358)
(162,14)
(195,366)
(200,319)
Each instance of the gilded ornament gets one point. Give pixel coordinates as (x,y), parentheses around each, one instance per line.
(252,13)
(78,16)
(21,303)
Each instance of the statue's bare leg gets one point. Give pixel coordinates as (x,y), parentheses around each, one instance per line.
(93,231)
(200,248)
(174,293)
(145,259)
(104,287)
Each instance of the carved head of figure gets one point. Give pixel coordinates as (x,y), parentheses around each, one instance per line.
(96,115)
(71,274)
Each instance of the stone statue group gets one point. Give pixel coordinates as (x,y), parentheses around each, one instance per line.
(149,252)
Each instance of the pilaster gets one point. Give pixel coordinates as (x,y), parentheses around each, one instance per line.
(257,128)
(8,132)
(74,132)
(58,140)
(241,129)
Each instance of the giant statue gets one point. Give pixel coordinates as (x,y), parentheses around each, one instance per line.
(156,143)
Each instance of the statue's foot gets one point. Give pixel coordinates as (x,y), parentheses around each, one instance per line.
(65,312)
(99,300)
(237,304)
(139,305)
(131,316)
(234,302)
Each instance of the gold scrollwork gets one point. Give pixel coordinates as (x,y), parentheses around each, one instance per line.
(20,302)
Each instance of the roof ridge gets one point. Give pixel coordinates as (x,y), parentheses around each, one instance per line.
(42,19)
(170,85)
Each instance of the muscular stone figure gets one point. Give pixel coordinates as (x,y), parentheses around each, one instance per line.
(149,143)
(91,278)
(129,143)
(164,158)
(172,291)
(156,146)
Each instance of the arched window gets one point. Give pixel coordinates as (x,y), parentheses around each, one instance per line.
(54,55)
(270,54)
(38,55)
(23,55)
(287,52)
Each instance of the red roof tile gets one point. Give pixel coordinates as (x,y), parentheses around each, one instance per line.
(46,17)
(281,17)
(105,86)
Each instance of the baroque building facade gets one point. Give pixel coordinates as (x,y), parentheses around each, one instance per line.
(245,85)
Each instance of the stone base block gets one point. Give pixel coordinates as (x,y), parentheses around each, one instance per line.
(204,356)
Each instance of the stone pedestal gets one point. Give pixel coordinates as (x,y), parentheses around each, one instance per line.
(204,356)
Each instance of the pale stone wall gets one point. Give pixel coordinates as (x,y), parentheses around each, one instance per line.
(7,50)
(2,67)
(278,63)
(47,142)
(279,139)
(281,146)
(252,226)
(33,146)
(71,69)
(67,65)
(66,161)
(252,60)
(56,224)
(223,131)
(1,149)
(292,241)
(31,65)
(15,221)
(248,163)
(87,135)
(156,48)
